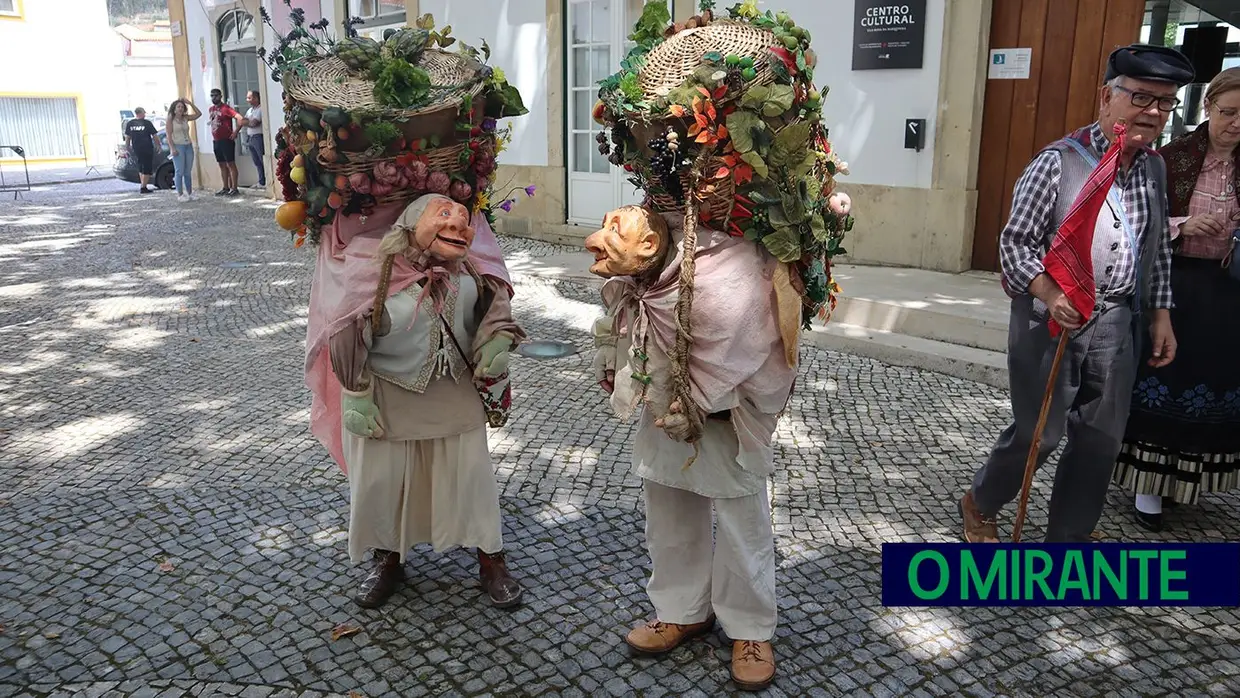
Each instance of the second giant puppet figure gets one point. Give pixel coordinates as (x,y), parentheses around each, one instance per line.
(385,165)
(710,283)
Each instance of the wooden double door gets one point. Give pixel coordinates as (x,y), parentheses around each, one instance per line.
(1071,40)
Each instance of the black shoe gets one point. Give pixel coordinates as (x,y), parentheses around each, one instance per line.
(1150,522)
(383,581)
(234,192)
(144,190)
(222,192)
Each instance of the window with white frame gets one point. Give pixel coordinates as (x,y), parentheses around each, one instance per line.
(598,33)
(378,15)
(237,53)
(8,7)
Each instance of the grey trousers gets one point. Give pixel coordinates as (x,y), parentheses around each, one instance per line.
(1090,405)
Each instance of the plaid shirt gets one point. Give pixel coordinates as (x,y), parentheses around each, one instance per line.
(1215,193)
(1027,236)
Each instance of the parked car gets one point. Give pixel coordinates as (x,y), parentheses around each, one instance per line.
(126,166)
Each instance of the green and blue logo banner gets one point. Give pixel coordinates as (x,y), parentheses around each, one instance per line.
(1061,574)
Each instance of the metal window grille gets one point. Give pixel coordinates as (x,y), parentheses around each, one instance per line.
(47,127)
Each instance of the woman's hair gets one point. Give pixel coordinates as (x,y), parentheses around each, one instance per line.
(1225,81)
(172,109)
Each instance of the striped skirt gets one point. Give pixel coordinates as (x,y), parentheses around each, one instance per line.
(1183,435)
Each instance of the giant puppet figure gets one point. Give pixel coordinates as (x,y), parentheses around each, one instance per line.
(385,164)
(709,284)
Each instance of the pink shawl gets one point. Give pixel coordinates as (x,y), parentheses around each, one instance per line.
(346,276)
(736,360)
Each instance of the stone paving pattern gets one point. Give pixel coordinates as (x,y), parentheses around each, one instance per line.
(169,527)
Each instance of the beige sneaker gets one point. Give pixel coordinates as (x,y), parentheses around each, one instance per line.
(978,528)
(753,664)
(657,637)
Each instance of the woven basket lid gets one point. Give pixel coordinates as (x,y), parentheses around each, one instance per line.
(329,82)
(674,60)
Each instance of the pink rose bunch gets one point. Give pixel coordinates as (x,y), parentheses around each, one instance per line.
(460,191)
(418,174)
(439,182)
(485,164)
(360,182)
(388,173)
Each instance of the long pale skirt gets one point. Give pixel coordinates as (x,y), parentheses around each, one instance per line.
(438,491)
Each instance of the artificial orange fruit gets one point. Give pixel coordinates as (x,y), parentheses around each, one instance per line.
(291,214)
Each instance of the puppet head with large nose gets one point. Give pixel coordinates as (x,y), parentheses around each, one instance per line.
(433,226)
(632,242)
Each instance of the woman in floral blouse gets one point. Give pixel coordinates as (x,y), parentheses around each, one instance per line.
(1183,435)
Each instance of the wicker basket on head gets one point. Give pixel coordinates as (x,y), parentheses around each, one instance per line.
(667,67)
(670,63)
(329,82)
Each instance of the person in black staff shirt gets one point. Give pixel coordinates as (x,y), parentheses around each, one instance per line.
(140,138)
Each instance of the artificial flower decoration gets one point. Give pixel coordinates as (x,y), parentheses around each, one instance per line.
(381,137)
(507,204)
(721,114)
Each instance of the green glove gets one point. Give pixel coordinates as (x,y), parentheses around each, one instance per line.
(359,414)
(492,358)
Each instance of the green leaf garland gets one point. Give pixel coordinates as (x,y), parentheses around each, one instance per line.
(784,244)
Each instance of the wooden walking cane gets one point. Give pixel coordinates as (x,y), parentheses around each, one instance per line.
(1031,463)
(1068,262)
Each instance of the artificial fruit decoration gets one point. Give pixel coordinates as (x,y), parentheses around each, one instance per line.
(291,214)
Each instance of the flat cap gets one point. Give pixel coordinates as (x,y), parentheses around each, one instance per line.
(1149,62)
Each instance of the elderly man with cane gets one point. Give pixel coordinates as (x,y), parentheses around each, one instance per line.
(1123,252)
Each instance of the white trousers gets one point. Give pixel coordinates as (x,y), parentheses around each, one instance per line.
(731,572)
(437,491)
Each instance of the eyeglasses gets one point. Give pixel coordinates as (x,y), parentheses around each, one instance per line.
(1232,115)
(1142,100)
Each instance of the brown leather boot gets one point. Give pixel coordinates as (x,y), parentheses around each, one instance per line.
(383,581)
(657,637)
(978,527)
(493,574)
(753,664)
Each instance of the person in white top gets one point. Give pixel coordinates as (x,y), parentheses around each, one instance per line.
(253,132)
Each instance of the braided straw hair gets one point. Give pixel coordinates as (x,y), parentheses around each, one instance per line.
(681,390)
(385,280)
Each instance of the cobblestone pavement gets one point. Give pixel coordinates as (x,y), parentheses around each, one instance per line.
(168,526)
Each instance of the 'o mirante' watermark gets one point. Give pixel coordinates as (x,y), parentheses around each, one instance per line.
(1060,574)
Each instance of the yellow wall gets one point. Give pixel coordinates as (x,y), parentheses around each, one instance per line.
(19,17)
(81,115)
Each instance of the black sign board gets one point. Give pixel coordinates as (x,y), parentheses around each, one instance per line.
(889,34)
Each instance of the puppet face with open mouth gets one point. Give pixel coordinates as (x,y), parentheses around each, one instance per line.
(444,230)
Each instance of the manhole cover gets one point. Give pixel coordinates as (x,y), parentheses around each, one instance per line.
(546,349)
(238,265)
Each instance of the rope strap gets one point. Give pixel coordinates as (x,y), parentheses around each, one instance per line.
(681,390)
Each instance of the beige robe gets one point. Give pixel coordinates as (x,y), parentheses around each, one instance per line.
(429,479)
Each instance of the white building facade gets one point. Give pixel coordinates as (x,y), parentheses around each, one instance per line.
(59,97)
(917,204)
